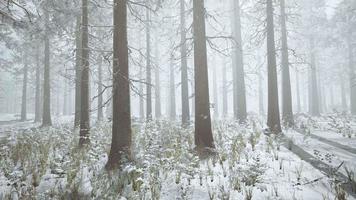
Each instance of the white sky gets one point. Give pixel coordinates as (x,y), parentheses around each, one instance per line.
(331,5)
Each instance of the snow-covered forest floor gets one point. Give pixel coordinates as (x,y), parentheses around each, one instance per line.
(46,163)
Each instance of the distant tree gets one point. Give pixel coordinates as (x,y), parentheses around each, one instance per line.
(84,108)
(46,116)
(121,127)
(78,71)
(172,92)
(38,86)
(287,110)
(157,82)
(273,118)
(203,131)
(238,67)
(100,89)
(24,87)
(184,66)
(148,65)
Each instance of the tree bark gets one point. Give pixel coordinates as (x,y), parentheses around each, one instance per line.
(38,87)
(287,109)
(240,91)
(203,131)
(121,126)
(273,118)
(172,92)
(184,67)
(343,93)
(148,67)
(78,72)
(260,94)
(24,89)
(46,116)
(84,89)
(100,90)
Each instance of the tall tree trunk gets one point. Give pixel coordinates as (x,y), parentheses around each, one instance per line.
(203,131)
(215,89)
(84,89)
(287,110)
(314,106)
(298,90)
(24,89)
(157,84)
(100,90)
(78,71)
(142,102)
(148,67)
(172,92)
(38,87)
(273,118)
(46,116)
(121,126)
(184,67)
(224,88)
(240,90)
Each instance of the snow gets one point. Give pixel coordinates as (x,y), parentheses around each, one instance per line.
(165,165)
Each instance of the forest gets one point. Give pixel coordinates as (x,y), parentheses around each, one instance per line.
(178,99)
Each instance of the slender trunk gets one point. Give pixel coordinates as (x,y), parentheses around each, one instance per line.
(240,90)
(172,92)
(65,97)
(100,90)
(84,89)
(332,103)
(157,84)
(24,89)
(121,126)
(78,71)
(287,110)
(203,131)
(184,67)
(148,67)
(38,87)
(215,89)
(224,88)
(273,118)
(314,106)
(343,94)
(260,94)
(142,102)
(298,90)
(46,116)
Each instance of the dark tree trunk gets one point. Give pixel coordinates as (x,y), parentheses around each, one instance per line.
(240,91)
(84,89)
(46,116)
(172,92)
(38,87)
(287,110)
(100,90)
(121,128)
(157,84)
(184,67)
(203,132)
(314,106)
(273,118)
(24,89)
(78,72)
(148,67)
